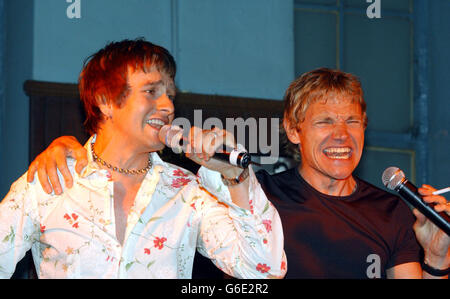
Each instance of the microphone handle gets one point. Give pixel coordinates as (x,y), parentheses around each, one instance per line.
(409,192)
(241,159)
(234,157)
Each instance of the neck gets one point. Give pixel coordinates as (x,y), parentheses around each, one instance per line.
(119,152)
(328,185)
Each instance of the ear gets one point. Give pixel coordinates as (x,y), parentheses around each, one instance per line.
(106,109)
(291,131)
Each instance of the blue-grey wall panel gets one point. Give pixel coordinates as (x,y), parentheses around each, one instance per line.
(62,44)
(19,61)
(439,98)
(2,75)
(240,48)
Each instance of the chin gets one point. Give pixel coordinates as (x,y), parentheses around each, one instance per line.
(156,146)
(340,174)
(341,177)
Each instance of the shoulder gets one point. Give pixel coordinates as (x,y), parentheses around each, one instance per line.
(371,192)
(170,170)
(281,178)
(176,177)
(175,171)
(22,191)
(384,202)
(21,185)
(37,186)
(281,187)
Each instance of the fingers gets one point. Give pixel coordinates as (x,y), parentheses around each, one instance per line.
(426,190)
(81,158)
(61,164)
(43,179)
(444,207)
(31,171)
(53,176)
(212,141)
(421,219)
(205,143)
(39,166)
(441,204)
(54,158)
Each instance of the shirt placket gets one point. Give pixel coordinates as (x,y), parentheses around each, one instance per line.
(109,210)
(142,201)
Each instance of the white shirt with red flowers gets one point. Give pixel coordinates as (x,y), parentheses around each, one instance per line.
(73,235)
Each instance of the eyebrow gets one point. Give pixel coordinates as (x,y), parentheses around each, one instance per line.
(152,83)
(358,117)
(328,117)
(171,89)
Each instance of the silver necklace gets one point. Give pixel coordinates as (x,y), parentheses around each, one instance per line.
(118,169)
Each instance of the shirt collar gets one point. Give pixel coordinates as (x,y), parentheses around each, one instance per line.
(92,166)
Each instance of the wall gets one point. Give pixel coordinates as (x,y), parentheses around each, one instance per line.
(18,66)
(241,48)
(2,72)
(234,47)
(439,106)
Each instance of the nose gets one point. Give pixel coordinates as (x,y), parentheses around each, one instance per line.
(165,104)
(340,132)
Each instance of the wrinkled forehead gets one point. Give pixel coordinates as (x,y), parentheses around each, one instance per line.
(329,99)
(335,106)
(334,98)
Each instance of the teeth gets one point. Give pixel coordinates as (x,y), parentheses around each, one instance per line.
(340,153)
(338,150)
(155,121)
(339,157)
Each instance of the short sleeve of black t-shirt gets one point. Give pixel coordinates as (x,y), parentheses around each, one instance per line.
(357,236)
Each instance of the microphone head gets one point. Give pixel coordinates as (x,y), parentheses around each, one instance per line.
(392,177)
(171,136)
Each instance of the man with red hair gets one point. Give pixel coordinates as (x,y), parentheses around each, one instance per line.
(129,214)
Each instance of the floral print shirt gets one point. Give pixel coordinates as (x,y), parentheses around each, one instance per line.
(73,235)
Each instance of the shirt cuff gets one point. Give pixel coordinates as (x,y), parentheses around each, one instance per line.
(211,180)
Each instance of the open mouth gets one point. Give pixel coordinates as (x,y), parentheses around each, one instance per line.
(338,153)
(156,123)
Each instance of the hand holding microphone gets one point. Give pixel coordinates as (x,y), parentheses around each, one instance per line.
(202,145)
(394,179)
(432,226)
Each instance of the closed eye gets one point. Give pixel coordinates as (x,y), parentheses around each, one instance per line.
(354,121)
(327,121)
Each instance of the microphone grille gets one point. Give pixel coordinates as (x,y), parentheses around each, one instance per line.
(171,136)
(392,177)
(163,133)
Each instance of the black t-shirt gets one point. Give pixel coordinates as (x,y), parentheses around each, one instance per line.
(357,236)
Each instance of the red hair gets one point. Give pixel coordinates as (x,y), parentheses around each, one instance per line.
(104,78)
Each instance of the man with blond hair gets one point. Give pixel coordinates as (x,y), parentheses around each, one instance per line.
(336,225)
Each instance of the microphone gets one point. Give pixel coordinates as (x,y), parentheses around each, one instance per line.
(394,179)
(172,136)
